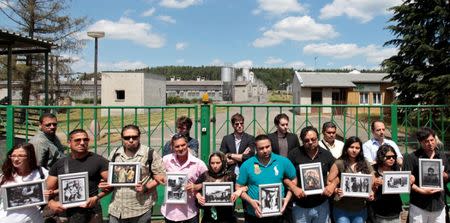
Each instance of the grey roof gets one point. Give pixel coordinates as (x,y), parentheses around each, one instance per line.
(328,79)
(202,83)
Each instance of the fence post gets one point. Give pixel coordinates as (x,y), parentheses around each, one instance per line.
(205,128)
(9,127)
(394,123)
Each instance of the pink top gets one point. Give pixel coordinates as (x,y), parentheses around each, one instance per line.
(194,167)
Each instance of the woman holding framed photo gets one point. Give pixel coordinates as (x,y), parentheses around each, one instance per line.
(20,166)
(217,172)
(386,207)
(350,209)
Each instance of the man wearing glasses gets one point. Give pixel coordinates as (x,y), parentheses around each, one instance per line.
(80,160)
(238,146)
(47,145)
(134,204)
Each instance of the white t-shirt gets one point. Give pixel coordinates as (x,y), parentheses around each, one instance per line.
(29,214)
(335,149)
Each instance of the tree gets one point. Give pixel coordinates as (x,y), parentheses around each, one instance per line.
(421,68)
(45,19)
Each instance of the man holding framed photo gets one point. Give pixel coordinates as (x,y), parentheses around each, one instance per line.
(426,204)
(311,208)
(263,168)
(80,160)
(134,204)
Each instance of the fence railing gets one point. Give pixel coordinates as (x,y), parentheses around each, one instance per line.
(351,120)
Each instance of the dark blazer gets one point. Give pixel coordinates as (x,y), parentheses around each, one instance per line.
(292,141)
(228,145)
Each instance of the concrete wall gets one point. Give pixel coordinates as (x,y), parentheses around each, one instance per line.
(141,89)
(241,94)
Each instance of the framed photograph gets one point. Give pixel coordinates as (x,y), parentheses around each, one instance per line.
(175,189)
(396,182)
(73,189)
(22,195)
(124,174)
(356,185)
(270,199)
(311,178)
(430,173)
(218,193)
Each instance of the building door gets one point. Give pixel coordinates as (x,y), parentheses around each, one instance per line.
(338,98)
(316,99)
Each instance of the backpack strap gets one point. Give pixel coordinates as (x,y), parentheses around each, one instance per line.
(66,165)
(150,161)
(113,158)
(41,173)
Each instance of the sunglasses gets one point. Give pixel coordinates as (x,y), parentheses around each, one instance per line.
(50,124)
(78,140)
(238,123)
(130,137)
(390,157)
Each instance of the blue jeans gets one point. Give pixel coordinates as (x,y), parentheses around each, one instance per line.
(341,216)
(318,214)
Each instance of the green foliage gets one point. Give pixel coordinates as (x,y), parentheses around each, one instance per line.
(178,100)
(421,69)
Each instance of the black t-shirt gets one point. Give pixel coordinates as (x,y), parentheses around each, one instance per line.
(387,205)
(433,202)
(299,156)
(92,163)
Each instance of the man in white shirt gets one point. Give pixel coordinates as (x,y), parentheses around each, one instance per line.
(370,147)
(329,141)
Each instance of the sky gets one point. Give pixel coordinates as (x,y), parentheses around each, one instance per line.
(299,34)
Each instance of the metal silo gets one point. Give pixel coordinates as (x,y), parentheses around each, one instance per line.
(227,77)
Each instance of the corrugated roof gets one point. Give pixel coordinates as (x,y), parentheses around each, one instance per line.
(329,79)
(23,44)
(202,83)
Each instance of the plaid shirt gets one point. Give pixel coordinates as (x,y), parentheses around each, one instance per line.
(126,202)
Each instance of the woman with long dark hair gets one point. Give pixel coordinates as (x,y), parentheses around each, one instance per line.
(386,207)
(217,172)
(21,166)
(350,209)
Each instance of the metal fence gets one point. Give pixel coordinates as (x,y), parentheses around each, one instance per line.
(157,124)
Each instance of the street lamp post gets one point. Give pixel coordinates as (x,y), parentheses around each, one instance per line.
(96,36)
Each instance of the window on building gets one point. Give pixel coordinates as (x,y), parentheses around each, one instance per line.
(363,98)
(120,94)
(376,98)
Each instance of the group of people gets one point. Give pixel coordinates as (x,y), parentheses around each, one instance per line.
(243,159)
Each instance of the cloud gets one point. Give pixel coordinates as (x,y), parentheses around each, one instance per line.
(217,62)
(296,29)
(149,12)
(179,4)
(181,46)
(273,60)
(243,64)
(278,6)
(127,29)
(166,18)
(373,54)
(180,61)
(81,65)
(296,64)
(363,10)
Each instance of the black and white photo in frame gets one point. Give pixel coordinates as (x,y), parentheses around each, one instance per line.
(270,199)
(124,173)
(396,182)
(218,193)
(176,188)
(431,173)
(311,178)
(73,189)
(356,185)
(22,195)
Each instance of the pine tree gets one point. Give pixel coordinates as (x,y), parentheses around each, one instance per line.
(421,68)
(44,19)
